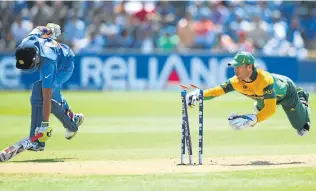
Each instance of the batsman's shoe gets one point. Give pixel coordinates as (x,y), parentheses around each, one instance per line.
(37,147)
(78,119)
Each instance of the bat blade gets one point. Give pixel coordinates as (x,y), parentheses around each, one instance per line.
(17,148)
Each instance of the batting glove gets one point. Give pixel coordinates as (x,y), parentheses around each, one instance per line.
(46,130)
(55,30)
(239,122)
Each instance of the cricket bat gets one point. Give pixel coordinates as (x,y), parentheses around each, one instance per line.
(17,148)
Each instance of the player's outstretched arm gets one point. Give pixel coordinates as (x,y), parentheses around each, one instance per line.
(239,122)
(218,90)
(193,97)
(270,100)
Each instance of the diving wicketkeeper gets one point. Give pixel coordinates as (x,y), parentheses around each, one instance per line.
(269,90)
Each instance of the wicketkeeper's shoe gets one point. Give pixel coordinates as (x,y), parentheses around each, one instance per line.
(303,96)
(305,130)
(78,119)
(37,147)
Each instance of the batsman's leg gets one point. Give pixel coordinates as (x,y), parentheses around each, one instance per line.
(37,114)
(62,111)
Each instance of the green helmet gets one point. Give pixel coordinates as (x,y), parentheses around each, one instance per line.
(242,58)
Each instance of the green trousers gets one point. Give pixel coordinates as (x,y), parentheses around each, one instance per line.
(297,112)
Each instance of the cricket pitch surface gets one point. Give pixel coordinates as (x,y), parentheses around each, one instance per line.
(159,166)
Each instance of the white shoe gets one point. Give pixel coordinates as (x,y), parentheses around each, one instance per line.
(78,118)
(302,132)
(69,134)
(305,130)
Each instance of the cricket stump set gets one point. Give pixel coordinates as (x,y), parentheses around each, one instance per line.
(186,135)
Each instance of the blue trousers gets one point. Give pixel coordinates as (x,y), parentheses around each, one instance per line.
(37,99)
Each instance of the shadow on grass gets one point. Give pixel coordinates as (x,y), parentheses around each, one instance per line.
(44,160)
(265,163)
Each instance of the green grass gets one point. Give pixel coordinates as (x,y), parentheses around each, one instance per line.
(280,180)
(146,125)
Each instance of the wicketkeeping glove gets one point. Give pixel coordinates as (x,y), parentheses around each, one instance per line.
(55,30)
(192,98)
(239,122)
(46,130)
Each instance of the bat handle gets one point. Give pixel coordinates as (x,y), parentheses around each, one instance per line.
(36,137)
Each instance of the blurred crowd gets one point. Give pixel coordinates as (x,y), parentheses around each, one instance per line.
(281,28)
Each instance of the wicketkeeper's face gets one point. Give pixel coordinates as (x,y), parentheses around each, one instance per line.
(242,72)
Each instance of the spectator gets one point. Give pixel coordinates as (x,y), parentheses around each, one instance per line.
(122,17)
(295,31)
(7,18)
(75,29)
(278,27)
(295,37)
(147,45)
(95,25)
(142,14)
(224,43)
(20,28)
(93,43)
(166,13)
(199,9)
(186,32)
(124,39)
(169,40)
(108,27)
(42,14)
(278,45)
(219,13)
(245,44)
(258,32)
(60,12)
(239,24)
(218,46)
(205,32)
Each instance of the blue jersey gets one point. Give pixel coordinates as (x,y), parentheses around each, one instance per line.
(56,59)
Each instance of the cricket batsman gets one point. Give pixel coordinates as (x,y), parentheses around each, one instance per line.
(269,90)
(40,51)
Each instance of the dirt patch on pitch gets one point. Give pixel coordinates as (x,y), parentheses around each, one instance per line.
(155,166)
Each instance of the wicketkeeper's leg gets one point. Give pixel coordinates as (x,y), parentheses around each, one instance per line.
(296,110)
